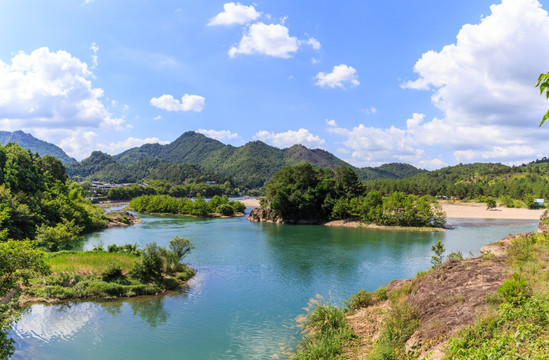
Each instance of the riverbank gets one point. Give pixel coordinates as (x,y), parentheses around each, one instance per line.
(358,224)
(251,202)
(479,211)
(462,309)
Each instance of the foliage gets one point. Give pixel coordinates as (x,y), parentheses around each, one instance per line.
(438,249)
(166,204)
(473,181)
(35,198)
(19,261)
(305,193)
(60,237)
(543,84)
(327,333)
(490,202)
(515,332)
(195,158)
(361,299)
(401,322)
(516,290)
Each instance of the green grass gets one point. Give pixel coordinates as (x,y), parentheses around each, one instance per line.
(87,263)
(92,274)
(327,333)
(518,327)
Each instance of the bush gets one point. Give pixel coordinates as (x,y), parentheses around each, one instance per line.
(225,210)
(112,271)
(516,290)
(360,299)
(455,256)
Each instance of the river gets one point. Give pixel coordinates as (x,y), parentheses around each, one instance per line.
(252,281)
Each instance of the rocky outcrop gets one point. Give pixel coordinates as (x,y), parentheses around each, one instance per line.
(543,225)
(121,218)
(264,215)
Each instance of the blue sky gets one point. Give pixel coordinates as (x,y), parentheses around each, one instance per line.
(431,83)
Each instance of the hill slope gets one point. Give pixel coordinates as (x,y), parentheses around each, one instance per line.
(27,141)
(252,164)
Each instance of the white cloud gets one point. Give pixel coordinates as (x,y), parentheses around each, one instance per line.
(314,43)
(117,147)
(370,111)
(273,40)
(220,135)
(47,89)
(94,48)
(158,117)
(484,84)
(340,75)
(235,14)
(188,103)
(289,138)
(330,122)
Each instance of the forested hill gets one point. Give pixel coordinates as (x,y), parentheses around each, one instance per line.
(474,181)
(252,164)
(27,141)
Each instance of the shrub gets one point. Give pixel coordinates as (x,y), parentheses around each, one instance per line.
(455,256)
(225,210)
(360,299)
(516,290)
(112,271)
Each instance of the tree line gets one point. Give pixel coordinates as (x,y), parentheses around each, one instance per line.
(306,193)
(165,204)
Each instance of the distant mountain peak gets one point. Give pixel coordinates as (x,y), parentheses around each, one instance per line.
(35,145)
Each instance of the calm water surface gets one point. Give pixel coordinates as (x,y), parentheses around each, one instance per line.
(252,281)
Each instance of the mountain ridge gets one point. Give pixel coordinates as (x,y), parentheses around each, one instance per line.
(27,141)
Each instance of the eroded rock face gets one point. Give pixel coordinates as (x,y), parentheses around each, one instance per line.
(543,225)
(264,215)
(122,218)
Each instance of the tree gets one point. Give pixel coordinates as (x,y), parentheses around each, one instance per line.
(490,203)
(438,249)
(543,84)
(19,261)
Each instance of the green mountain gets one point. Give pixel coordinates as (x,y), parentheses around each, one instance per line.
(252,164)
(27,141)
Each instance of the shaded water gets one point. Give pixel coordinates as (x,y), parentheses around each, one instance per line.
(252,281)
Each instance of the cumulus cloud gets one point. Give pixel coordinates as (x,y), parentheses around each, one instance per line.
(235,14)
(484,84)
(46,89)
(188,103)
(220,135)
(314,43)
(290,137)
(117,147)
(340,75)
(331,122)
(273,40)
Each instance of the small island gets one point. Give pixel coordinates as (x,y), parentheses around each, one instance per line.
(303,194)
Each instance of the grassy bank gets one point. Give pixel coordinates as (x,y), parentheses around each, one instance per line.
(488,307)
(122,271)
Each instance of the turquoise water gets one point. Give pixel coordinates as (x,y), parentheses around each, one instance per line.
(252,281)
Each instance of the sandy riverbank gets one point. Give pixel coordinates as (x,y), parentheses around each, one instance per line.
(250,202)
(467,210)
(478,211)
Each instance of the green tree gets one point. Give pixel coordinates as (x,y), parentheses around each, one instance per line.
(543,84)
(437,258)
(490,203)
(19,261)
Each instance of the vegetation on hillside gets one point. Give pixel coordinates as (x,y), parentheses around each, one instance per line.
(303,193)
(37,201)
(512,186)
(512,321)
